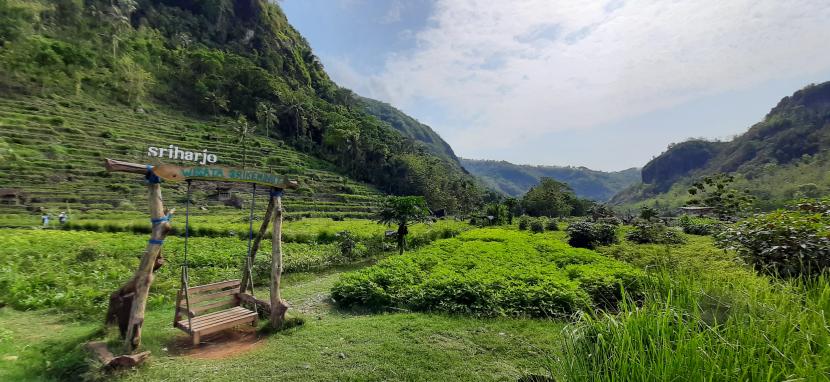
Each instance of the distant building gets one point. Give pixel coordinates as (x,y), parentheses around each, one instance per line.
(697,210)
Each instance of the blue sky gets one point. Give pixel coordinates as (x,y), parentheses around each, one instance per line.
(603,84)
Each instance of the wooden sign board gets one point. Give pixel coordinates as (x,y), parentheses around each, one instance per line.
(215,173)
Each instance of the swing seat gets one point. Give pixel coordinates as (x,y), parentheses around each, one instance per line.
(222,302)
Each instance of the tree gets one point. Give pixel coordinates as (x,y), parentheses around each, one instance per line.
(647,213)
(117,14)
(266,115)
(403,211)
(496,214)
(243,128)
(549,198)
(512,204)
(715,191)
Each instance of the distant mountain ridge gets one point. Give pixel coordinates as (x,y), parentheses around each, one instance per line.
(514,180)
(793,139)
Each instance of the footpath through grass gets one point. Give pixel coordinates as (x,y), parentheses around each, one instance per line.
(330,345)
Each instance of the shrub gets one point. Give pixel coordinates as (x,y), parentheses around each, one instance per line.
(524,222)
(491,272)
(788,243)
(347,244)
(585,234)
(697,226)
(537,225)
(646,232)
(552,225)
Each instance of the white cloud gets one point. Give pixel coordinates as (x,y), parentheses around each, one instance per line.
(512,71)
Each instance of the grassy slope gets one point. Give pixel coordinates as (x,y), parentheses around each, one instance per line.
(514,180)
(53,151)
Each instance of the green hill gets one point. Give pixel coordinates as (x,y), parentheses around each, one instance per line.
(785,156)
(514,180)
(410,127)
(52,151)
(224,64)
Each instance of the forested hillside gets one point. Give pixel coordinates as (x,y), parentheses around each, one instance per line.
(410,127)
(237,64)
(786,155)
(514,180)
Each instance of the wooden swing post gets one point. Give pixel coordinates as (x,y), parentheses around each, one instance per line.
(278,305)
(132,297)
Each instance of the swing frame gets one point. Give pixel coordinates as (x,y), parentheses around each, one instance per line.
(132,297)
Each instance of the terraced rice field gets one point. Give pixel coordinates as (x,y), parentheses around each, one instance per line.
(52,151)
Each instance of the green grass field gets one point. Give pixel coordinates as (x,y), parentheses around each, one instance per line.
(698,315)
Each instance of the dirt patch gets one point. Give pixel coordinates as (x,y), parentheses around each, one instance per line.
(224,344)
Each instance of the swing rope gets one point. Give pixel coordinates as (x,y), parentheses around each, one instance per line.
(248,258)
(185,266)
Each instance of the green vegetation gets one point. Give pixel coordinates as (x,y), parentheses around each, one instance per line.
(490,272)
(553,199)
(789,243)
(514,180)
(653,232)
(76,271)
(715,191)
(403,211)
(587,234)
(409,127)
(153,56)
(702,317)
(781,158)
(698,225)
(330,345)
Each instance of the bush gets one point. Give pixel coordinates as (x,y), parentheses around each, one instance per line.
(537,225)
(788,243)
(585,234)
(491,272)
(552,225)
(697,226)
(646,232)
(347,243)
(524,222)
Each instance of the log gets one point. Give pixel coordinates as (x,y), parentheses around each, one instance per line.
(144,274)
(278,305)
(102,353)
(261,305)
(255,246)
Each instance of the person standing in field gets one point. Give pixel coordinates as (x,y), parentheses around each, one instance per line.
(45,219)
(62,218)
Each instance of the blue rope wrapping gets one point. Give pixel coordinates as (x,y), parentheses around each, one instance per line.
(151,176)
(276,192)
(165,218)
(154,241)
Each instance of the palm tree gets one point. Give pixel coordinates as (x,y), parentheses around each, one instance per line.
(243,128)
(403,211)
(266,114)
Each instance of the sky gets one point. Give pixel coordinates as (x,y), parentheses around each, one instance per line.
(604,84)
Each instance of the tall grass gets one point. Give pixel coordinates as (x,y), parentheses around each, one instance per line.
(693,327)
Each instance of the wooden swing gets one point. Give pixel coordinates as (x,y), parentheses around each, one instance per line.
(221,299)
(203,309)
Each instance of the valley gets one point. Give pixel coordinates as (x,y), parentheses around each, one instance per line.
(264,222)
